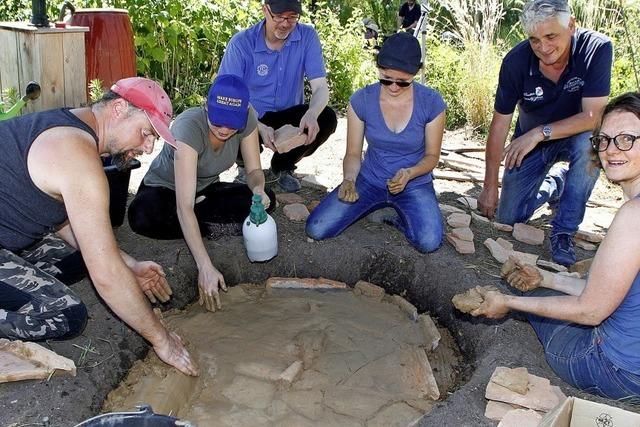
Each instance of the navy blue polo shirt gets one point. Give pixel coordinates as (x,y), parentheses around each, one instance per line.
(541,101)
(409,16)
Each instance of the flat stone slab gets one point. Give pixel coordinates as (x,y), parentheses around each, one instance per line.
(368,290)
(448,209)
(299,283)
(407,308)
(463,233)
(528,234)
(468,202)
(457,220)
(397,415)
(471,299)
(30,361)
(589,236)
(430,332)
(520,418)
(582,244)
(502,227)
(289,198)
(497,410)
(551,265)
(296,212)
(540,396)
(462,246)
(288,137)
(515,379)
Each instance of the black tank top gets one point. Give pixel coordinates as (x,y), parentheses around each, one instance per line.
(26,212)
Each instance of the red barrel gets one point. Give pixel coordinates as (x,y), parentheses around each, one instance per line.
(109,50)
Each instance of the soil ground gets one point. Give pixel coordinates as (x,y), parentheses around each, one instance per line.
(377,253)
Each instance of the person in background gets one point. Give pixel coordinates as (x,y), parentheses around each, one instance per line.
(274,57)
(182,196)
(403,122)
(560,80)
(409,15)
(590,330)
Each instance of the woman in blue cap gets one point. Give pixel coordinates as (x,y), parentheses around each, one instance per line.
(182,196)
(403,122)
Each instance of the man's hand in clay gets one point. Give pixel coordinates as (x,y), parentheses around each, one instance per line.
(268,136)
(494,305)
(309,122)
(488,201)
(399,181)
(523,277)
(152,281)
(347,192)
(209,279)
(171,350)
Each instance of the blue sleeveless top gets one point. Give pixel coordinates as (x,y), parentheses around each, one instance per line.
(26,212)
(387,151)
(620,332)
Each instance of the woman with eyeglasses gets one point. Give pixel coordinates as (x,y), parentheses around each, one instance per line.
(591,330)
(403,122)
(182,196)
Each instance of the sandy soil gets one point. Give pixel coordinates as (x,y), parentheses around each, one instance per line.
(377,253)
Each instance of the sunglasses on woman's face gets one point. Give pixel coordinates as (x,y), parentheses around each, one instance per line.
(400,83)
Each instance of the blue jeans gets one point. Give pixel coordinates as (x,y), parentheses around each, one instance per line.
(417,207)
(574,353)
(528,187)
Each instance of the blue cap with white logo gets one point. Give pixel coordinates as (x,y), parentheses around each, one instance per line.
(228,102)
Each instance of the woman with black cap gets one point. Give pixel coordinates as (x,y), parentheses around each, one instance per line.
(181,194)
(403,122)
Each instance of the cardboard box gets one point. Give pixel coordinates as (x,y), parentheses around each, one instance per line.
(574,412)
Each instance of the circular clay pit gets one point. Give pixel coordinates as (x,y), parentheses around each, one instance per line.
(283,355)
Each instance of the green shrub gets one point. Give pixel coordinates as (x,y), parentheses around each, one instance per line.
(349,65)
(444,74)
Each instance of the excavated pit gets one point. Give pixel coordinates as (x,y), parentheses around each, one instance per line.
(295,357)
(371,252)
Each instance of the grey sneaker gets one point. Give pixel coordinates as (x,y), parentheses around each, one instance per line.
(241,178)
(288,182)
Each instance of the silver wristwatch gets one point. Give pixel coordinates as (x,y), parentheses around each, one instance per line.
(546,132)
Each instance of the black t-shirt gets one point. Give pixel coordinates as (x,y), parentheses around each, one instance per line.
(409,16)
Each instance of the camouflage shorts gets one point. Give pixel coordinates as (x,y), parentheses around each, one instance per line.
(34,305)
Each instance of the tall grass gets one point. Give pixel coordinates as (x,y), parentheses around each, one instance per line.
(475,24)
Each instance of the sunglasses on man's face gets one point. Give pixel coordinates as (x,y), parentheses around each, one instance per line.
(400,83)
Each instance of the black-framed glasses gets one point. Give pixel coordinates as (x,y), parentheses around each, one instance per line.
(400,83)
(279,19)
(623,141)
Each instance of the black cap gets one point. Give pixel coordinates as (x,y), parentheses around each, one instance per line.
(400,51)
(282,6)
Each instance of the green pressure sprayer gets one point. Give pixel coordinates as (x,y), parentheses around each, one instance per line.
(32,93)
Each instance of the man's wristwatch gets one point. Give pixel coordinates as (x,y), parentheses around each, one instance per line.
(546,132)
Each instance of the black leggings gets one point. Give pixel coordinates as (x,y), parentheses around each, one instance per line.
(153,213)
(327,121)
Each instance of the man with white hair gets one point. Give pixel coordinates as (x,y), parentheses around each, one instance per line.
(560,80)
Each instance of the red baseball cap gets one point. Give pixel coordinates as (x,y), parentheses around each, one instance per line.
(148,96)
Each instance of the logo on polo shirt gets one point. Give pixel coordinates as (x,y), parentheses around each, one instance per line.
(263,70)
(534,96)
(573,84)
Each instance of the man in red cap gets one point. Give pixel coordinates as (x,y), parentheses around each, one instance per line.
(54,187)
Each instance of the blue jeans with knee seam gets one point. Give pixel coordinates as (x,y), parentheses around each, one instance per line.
(526,188)
(574,353)
(419,216)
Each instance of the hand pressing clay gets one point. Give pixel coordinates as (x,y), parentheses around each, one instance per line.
(472,298)
(523,277)
(289,137)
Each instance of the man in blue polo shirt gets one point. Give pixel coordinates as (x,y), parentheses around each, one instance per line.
(560,80)
(274,57)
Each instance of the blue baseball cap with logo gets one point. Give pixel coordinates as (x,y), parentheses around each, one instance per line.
(228,102)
